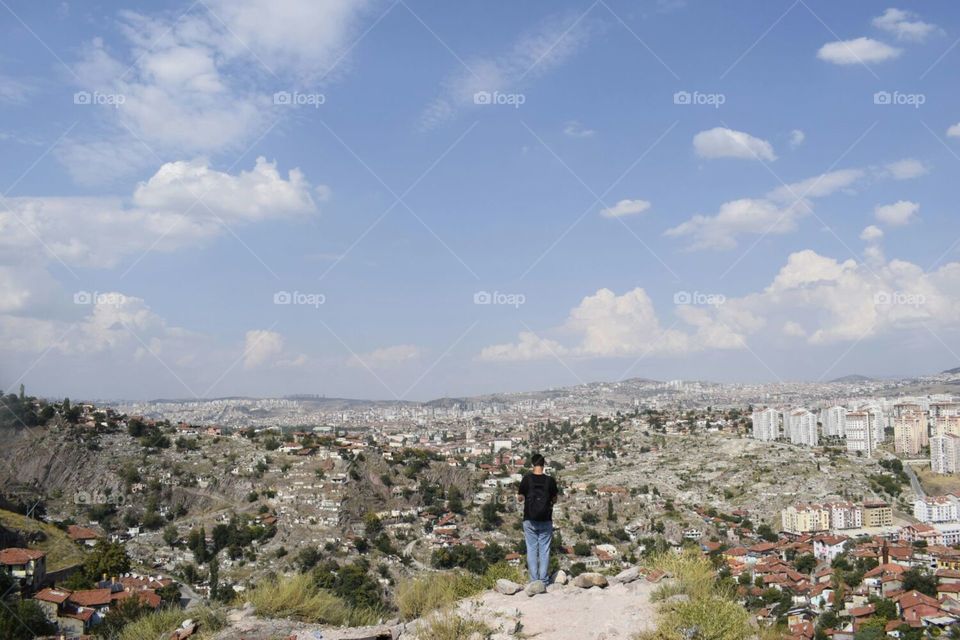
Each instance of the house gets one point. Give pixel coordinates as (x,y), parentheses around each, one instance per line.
(83,535)
(27,566)
(828,547)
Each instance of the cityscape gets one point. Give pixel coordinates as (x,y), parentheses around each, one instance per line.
(479,320)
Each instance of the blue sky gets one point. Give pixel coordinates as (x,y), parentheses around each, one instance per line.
(262,198)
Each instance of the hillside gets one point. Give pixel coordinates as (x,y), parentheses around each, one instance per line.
(61,551)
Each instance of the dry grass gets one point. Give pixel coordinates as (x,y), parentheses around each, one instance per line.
(160,624)
(298,598)
(937,484)
(707,611)
(61,551)
(446,625)
(429,592)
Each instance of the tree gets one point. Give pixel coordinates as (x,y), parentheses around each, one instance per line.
(490,513)
(455,500)
(24,620)
(805,563)
(611,516)
(214,577)
(372,524)
(921,581)
(170,535)
(581,549)
(108,558)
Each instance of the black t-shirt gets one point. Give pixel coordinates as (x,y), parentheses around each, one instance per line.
(524,490)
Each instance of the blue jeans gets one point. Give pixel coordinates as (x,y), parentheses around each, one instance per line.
(538,535)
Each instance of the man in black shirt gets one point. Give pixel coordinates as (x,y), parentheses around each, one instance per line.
(538,493)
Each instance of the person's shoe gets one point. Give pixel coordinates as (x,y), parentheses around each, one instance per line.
(535,587)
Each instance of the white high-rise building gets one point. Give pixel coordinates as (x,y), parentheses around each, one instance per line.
(944,424)
(834,421)
(766,424)
(937,509)
(861,432)
(879,423)
(801,428)
(945,453)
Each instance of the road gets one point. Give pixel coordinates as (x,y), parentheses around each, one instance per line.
(408,551)
(914,481)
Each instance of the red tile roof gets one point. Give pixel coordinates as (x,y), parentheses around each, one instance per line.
(16,556)
(91,597)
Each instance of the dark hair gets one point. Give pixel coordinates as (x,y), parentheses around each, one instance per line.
(538,460)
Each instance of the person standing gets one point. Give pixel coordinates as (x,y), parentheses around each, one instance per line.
(538,492)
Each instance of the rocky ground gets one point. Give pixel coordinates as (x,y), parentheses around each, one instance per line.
(590,607)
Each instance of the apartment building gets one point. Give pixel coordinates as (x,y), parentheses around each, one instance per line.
(834,421)
(766,424)
(844,515)
(861,432)
(801,427)
(877,514)
(805,518)
(945,453)
(910,433)
(937,509)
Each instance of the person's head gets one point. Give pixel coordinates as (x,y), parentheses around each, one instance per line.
(538,461)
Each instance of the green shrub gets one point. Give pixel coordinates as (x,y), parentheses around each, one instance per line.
(299,598)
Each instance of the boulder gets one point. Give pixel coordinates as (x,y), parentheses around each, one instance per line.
(628,575)
(536,587)
(587,580)
(507,587)
(561,577)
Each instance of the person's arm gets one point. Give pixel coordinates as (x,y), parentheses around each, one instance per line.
(554,491)
(522,489)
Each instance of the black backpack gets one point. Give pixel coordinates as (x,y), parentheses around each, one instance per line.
(538,498)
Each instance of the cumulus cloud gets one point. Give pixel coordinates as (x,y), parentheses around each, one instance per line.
(626,208)
(905,25)
(385,357)
(857,51)
(813,297)
(906,169)
(721,142)
(162,214)
(954,131)
(897,214)
(175,77)
(261,347)
(871,233)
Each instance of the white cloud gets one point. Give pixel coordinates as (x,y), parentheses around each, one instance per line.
(626,208)
(721,142)
(385,357)
(176,75)
(534,53)
(897,214)
(160,215)
(906,169)
(905,25)
(261,347)
(871,233)
(814,297)
(797,138)
(954,131)
(820,186)
(574,129)
(857,51)
(13,90)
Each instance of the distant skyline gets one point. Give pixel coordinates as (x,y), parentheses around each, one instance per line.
(394,199)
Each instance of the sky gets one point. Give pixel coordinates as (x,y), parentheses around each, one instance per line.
(408,199)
